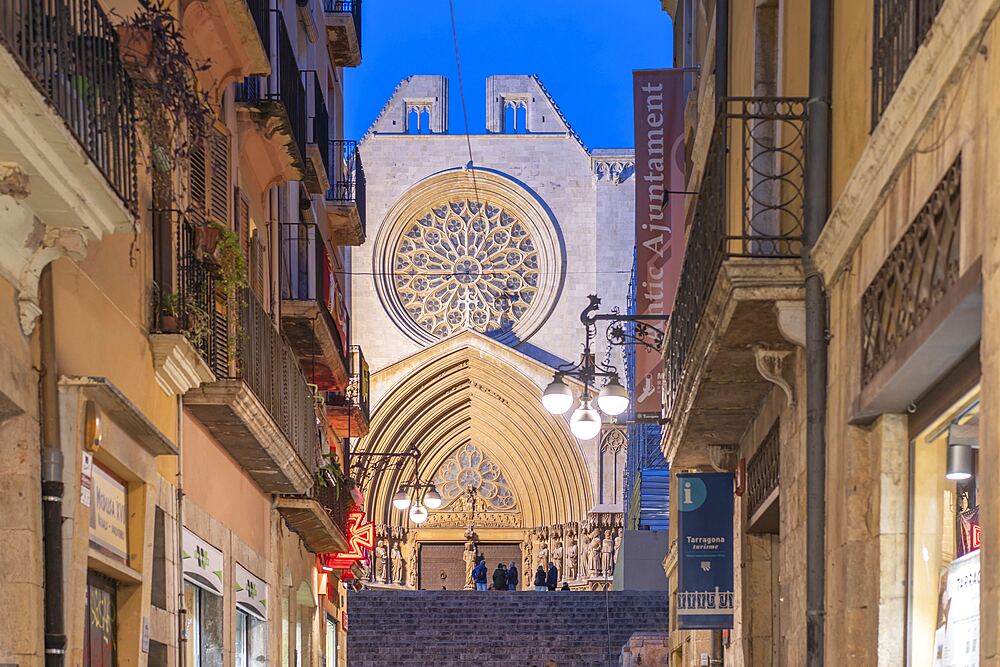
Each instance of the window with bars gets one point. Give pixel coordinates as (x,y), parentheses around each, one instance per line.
(900,28)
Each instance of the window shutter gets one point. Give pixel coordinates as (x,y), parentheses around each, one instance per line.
(219,204)
(198,179)
(256,264)
(243,222)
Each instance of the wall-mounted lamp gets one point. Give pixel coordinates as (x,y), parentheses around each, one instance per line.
(962,439)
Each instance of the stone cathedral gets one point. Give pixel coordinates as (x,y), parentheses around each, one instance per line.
(472,282)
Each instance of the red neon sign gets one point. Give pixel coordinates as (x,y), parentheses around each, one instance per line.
(360,537)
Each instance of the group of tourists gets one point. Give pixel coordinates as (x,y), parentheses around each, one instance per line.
(504,577)
(547,581)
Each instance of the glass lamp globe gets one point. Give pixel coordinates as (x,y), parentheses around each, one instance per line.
(586,421)
(401,500)
(557,397)
(418,514)
(433,499)
(613,399)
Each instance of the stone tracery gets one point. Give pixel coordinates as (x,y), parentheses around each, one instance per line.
(466,265)
(470,467)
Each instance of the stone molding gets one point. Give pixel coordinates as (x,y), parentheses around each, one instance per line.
(177,365)
(934,70)
(615,170)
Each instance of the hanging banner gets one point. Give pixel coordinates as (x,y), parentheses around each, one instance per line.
(108,513)
(202,563)
(957,638)
(658,97)
(705,551)
(251,593)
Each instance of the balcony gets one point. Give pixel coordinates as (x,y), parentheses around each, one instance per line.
(347,411)
(345,200)
(259,408)
(313,314)
(739,300)
(900,29)
(320,517)
(343,31)
(317,177)
(67,138)
(232,38)
(272,115)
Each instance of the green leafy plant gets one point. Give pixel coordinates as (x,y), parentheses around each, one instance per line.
(329,471)
(232,275)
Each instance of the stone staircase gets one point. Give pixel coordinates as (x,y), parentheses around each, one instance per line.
(497,629)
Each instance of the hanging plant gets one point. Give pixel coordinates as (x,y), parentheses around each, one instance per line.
(171,109)
(232,277)
(330,472)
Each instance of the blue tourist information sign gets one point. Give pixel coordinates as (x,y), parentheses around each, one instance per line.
(705,551)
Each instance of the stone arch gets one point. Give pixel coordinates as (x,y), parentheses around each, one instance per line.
(484,187)
(471,389)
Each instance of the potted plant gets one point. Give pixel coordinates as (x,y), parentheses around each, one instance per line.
(135,46)
(207,236)
(169,303)
(198,324)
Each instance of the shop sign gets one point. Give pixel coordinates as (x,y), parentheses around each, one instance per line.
(705,551)
(360,538)
(86,478)
(658,98)
(202,563)
(251,593)
(956,640)
(109,513)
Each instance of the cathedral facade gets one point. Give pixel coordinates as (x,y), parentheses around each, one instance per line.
(482,251)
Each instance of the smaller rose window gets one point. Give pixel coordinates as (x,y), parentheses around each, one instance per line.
(469,467)
(466,265)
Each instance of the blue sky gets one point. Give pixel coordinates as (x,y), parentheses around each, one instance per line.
(583,50)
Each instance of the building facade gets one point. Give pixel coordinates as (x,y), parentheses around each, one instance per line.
(908,566)
(178,203)
(483,252)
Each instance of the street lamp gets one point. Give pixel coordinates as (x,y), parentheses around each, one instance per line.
(401,500)
(612,399)
(433,499)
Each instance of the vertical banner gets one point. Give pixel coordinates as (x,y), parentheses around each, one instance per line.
(658,97)
(705,551)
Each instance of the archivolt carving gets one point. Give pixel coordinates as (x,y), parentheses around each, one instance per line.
(466,265)
(469,467)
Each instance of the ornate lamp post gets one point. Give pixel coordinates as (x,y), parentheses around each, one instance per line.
(425,493)
(612,399)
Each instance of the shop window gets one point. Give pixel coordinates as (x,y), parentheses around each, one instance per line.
(204,626)
(101,624)
(944,541)
(331,642)
(251,640)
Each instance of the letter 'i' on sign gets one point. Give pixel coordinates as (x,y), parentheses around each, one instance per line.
(705,551)
(659,98)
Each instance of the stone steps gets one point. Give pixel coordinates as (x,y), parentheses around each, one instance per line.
(497,629)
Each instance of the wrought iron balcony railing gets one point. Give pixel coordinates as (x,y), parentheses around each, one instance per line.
(269,367)
(260,10)
(352,7)
(69,50)
(900,27)
(319,120)
(283,85)
(763,471)
(335,500)
(766,135)
(347,178)
(356,394)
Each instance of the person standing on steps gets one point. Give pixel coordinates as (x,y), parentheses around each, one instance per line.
(500,578)
(479,576)
(540,579)
(512,575)
(552,580)
(565,586)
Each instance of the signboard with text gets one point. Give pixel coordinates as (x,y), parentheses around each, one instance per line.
(704,551)
(658,97)
(956,642)
(108,513)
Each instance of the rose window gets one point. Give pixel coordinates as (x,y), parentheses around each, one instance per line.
(469,467)
(466,265)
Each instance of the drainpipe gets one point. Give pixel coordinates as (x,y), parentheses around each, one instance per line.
(179,514)
(52,481)
(721,51)
(817,207)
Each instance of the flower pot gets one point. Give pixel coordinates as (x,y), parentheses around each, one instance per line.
(135,46)
(168,323)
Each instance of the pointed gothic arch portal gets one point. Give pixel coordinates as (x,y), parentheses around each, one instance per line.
(469,396)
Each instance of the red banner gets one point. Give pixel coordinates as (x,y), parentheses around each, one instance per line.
(659,214)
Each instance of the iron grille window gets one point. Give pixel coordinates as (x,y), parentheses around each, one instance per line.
(69,50)
(914,278)
(763,471)
(900,27)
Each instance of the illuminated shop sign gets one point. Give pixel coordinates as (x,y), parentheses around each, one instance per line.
(251,593)
(360,539)
(202,563)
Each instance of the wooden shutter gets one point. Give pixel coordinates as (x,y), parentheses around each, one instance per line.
(209,179)
(220,188)
(243,221)
(198,177)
